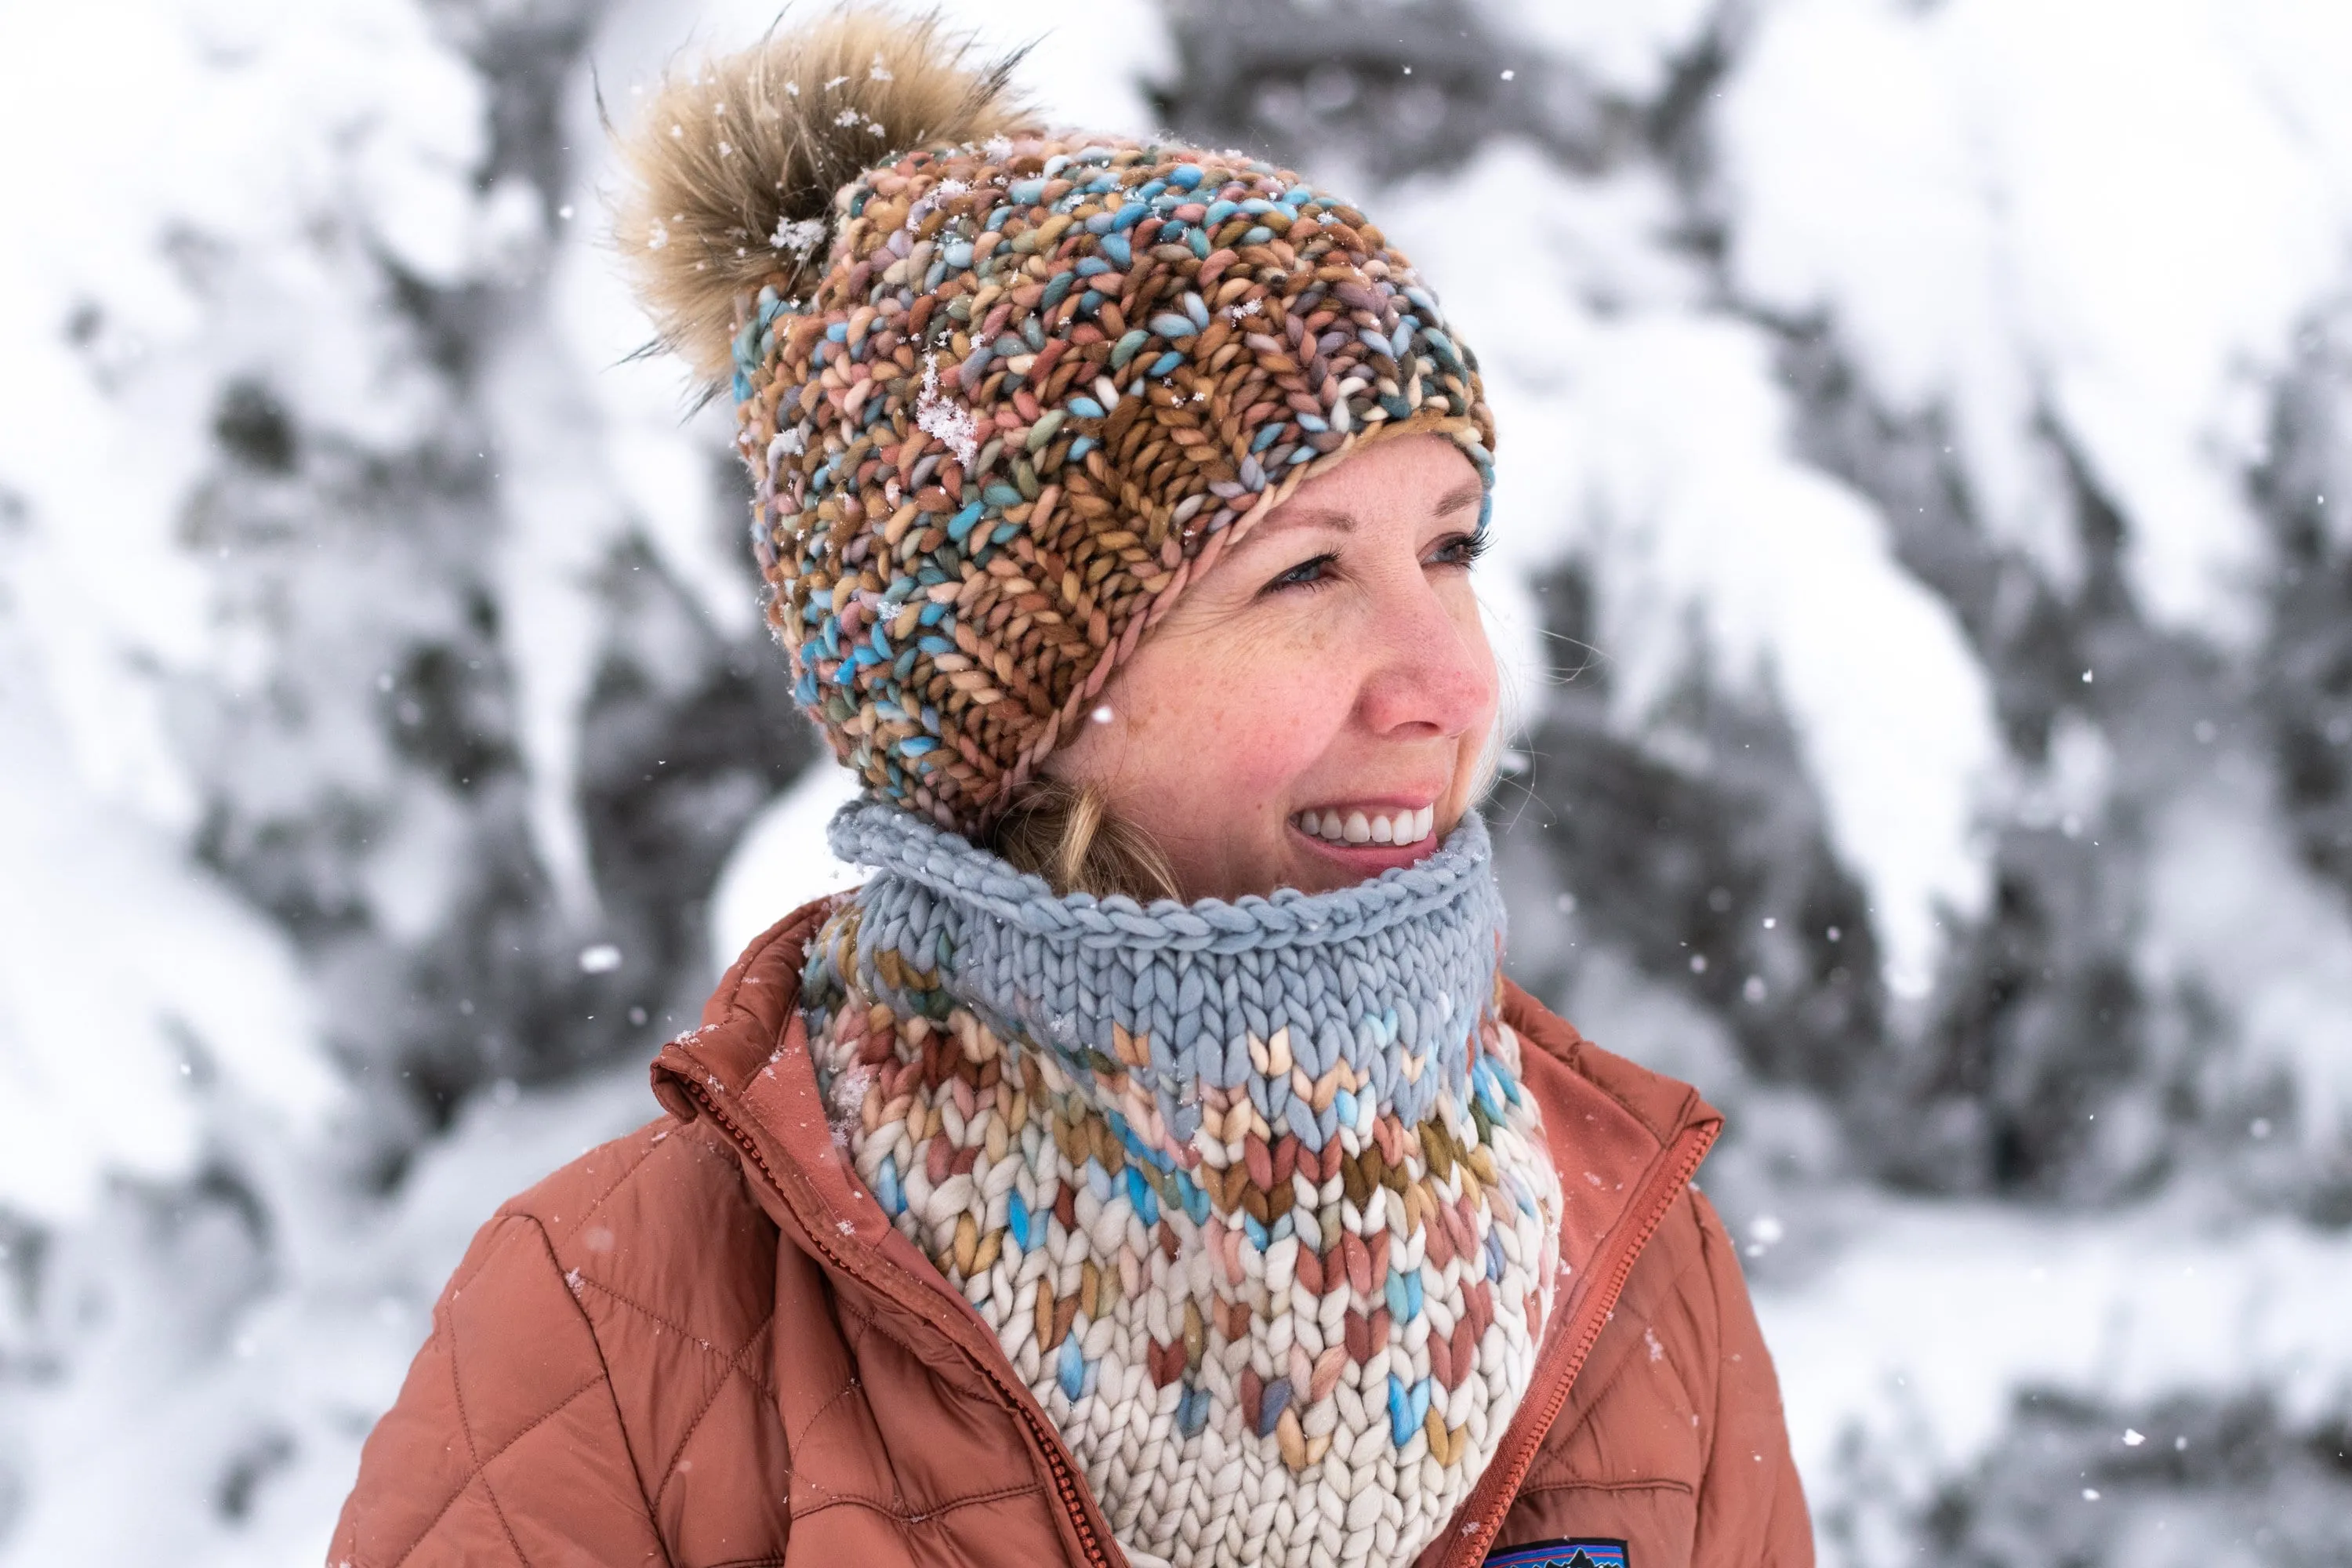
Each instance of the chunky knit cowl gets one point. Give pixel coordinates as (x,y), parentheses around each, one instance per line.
(1250,1192)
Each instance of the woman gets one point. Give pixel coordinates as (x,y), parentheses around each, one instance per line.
(1149,1162)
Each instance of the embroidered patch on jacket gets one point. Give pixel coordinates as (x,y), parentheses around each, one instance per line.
(1581,1552)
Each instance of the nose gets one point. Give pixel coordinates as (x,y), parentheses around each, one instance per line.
(1431,674)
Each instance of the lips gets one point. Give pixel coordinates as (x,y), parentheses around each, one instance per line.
(1357,824)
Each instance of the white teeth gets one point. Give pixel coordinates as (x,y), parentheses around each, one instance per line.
(1410,827)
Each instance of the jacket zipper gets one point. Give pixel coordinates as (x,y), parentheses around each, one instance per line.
(1066,1483)
(1471,1549)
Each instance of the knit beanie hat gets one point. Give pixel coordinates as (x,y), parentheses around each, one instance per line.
(1003,392)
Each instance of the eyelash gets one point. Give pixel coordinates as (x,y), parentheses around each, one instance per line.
(1464,550)
(1470,546)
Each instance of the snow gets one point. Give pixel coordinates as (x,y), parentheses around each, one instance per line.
(2064,231)
(2110,211)
(1628,49)
(566,518)
(936,413)
(211,137)
(2236,915)
(781,862)
(114,1018)
(1918,1330)
(289,1383)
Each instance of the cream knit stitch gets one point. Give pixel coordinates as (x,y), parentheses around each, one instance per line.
(1250,1192)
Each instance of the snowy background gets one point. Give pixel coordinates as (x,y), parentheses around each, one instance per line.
(1925,558)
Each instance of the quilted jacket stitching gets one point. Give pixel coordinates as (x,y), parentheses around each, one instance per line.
(1672,1289)
(465,1429)
(477,1258)
(793,1444)
(475,1473)
(854,1341)
(1707,1245)
(710,1402)
(733,1358)
(482,1462)
(588,1212)
(907,1516)
(897,1507)
(1662,1484)
(605,1368)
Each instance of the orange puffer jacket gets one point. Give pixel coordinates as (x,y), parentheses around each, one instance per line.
(704,1345)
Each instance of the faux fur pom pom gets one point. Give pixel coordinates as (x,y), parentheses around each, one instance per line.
(731,167)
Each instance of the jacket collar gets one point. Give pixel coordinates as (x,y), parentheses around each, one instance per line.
(1626,1142)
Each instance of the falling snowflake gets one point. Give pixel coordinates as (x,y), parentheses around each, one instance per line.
(658,236)
(800,236)
(847,117)
(937,415)
(926,204)
(877,70)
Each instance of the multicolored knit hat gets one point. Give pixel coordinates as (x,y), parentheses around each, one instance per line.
(1005,394)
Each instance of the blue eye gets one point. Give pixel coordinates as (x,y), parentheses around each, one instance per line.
(1306,574)
(1462,550)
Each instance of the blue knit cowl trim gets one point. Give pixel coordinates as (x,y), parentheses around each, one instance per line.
(1391,975)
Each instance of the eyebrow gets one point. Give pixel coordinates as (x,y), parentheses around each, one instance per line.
(1459,498)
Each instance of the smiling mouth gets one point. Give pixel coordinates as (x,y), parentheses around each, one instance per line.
(1353,827)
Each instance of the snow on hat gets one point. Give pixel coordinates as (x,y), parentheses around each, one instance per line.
(1004,393)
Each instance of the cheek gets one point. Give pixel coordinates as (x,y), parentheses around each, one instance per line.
(1205,729)
(1245,734)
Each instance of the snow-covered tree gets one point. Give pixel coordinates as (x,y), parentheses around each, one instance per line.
(1923,556)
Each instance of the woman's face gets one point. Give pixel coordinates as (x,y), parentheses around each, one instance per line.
(1312,711)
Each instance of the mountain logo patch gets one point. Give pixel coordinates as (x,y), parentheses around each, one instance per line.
(1581,1552)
